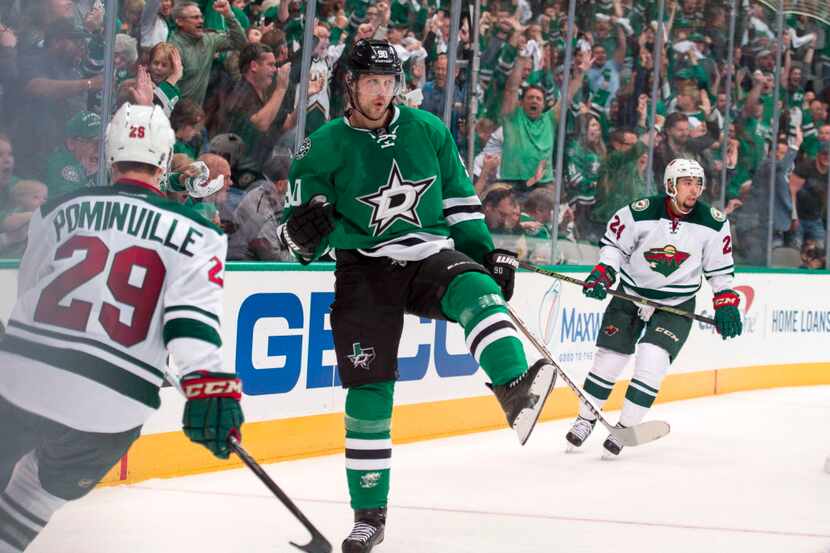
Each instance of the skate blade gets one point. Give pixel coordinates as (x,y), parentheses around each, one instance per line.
(642,433)
(570,448)
(542,385)
(608,456)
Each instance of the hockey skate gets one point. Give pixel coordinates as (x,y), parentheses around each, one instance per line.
(579,432)
(612,445)
(523,398)
(368,531)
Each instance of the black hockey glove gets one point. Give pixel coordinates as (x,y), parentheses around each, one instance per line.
(502,265)
(308,225)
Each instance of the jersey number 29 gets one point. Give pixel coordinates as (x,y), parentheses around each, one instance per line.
(141,298)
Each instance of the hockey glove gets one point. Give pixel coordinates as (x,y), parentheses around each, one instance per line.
(727,316)
(599,281)
(308,225)
(502,265)
(212,413)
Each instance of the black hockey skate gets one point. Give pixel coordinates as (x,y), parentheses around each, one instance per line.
(612,445)
(523,398)
(369,526)
(580,431)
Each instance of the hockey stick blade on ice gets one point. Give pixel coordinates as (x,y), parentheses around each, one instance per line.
(639,434)
(318,543)
(621,295)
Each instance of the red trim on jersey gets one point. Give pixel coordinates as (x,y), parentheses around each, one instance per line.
(141,184)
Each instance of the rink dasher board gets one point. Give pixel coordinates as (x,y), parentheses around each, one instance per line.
(277,335)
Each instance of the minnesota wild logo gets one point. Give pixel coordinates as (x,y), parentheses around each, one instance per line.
(665,260)
(361,357)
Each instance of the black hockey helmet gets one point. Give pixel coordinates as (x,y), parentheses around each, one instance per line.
(374,56)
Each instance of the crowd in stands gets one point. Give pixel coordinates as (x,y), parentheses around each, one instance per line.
(226,72)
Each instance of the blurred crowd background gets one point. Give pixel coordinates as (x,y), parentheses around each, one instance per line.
(561,120)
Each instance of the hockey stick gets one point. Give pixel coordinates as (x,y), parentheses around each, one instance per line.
(639,434)
(318,543)
(622,295)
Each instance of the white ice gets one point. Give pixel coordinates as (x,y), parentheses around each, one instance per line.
(739,473)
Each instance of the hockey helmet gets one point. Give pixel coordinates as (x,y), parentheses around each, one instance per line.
(140,134)
(374,57)
(377,57)
(678,168)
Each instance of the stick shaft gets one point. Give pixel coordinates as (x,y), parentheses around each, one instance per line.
(621,295)
(545,352)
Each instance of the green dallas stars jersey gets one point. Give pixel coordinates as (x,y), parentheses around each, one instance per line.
(400,192)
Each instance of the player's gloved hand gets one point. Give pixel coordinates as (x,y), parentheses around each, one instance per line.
(727,316)
(212,413)
(599,281)
(308,225)
(502,265)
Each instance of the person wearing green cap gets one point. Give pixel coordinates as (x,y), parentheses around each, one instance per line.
(75,164)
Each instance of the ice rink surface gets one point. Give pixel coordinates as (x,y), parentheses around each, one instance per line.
(739,473)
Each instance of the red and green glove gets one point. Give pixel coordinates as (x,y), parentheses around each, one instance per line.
(212,413)
(727,316)
(601,279)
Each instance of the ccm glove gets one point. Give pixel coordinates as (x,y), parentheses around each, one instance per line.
(212,413)
(502,265)
(308,225)
(599,281)
(727,316)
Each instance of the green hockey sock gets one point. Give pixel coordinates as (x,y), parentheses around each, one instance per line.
(475,301)
(369,443)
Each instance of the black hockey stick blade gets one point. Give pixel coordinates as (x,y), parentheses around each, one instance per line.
(642,433)
(318,543)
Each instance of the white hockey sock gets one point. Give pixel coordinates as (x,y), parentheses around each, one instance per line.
(650,367)
(25,507)
(600,380)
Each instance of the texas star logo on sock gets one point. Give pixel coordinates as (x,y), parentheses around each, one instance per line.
(361,357)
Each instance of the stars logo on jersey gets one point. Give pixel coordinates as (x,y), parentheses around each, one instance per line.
(361,357)
(665,260)
(397,200)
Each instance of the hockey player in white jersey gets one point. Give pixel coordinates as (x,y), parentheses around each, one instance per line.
(660,247)
(114,279)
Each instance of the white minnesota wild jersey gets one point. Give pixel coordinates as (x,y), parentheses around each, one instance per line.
(112,280)
(662,258)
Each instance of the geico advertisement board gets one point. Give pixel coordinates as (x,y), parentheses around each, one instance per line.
(277,336)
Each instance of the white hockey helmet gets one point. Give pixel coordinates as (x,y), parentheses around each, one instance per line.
(680,167)
(141,134)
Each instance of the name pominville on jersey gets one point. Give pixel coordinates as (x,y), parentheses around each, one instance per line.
(664,259)
(394,196)
(113,280)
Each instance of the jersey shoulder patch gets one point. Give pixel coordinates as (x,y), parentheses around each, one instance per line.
(647,209)
(303,149)
(640,205)
(707,216)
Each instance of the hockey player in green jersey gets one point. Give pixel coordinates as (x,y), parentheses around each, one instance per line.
(385,188)
(661,247)
(113,280)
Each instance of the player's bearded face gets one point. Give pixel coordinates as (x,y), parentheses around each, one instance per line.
(374,94)
(689,190)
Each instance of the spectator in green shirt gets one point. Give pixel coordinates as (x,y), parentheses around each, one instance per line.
(75,164)
(197,48)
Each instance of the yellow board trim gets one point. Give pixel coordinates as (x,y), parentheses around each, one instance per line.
(170,454)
